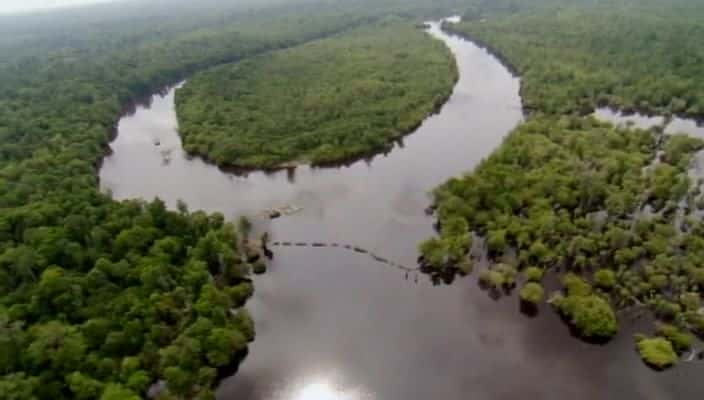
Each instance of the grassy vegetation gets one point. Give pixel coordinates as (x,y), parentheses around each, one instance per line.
(326,101)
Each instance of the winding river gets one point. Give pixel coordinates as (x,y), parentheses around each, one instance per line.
(334,324)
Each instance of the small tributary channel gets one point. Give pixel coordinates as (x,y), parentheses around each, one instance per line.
(334,324)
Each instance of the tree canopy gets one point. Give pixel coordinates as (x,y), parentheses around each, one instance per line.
(98,298)
(574,55)
(613,211)
(327,101)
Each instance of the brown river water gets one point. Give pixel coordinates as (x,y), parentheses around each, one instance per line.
(334,324)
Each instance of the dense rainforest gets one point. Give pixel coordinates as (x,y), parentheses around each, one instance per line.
(575,55)
(614,213)
(102,299)
(326,101)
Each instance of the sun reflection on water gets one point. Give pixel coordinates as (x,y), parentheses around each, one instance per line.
(322,389)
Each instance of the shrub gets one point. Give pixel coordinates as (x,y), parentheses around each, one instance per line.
(509,273)
(534,274)
(259,267)
(690,301)
(576,286)
(532,293)
(605,279)
(657,352)
(433,252)
(591,315)
(466,266)
(492,278)
(681,341)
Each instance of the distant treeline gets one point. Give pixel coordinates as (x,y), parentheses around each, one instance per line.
(575,55)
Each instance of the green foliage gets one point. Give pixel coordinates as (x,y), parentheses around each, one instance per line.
(509,274)
(244,225)
(450,249)
(691,301)
(466,266)
(532,292)
(99,299)
(591,315)
(657,352)
(118,392)
(563,191)
(19,387)
(492,278)
(574,55)
(534,274)
(576,286)
(605,279)
(259,267)
(500,275)
(680,147)
(681,341)
(329,100)
(496,241)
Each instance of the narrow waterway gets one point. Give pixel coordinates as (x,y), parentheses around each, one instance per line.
(334,324)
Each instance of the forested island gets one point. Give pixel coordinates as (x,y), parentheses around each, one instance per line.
(611,211)
(327,101)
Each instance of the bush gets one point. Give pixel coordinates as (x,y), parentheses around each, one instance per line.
(492,278)
(496,241)
(591,315)
(657,352)
(433,252)
(466,266)
(534,274)
(532,293)
(605,279)
(509,273)
(681,341)
(690,301)
(259,267)
(576,286)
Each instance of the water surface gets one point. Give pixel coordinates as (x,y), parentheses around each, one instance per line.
(336,325)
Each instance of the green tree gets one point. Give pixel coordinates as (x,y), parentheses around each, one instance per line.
(657,352)
(532,292)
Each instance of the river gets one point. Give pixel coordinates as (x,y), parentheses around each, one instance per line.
(334,324)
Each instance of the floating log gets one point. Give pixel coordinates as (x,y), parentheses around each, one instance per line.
(278,212)
(382,260)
